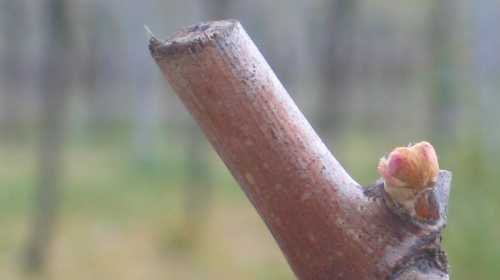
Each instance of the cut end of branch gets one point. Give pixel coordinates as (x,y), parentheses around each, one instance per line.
(192,38)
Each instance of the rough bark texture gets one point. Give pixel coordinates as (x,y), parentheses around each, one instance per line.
(326,224)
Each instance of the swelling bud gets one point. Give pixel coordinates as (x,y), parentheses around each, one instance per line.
(407,171)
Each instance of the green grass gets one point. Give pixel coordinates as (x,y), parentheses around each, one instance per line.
(128,213)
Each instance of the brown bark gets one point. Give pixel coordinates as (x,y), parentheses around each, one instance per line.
(326,224)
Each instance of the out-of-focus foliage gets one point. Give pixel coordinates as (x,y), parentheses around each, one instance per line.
(370,75)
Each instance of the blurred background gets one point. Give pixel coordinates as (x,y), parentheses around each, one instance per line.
(103,174)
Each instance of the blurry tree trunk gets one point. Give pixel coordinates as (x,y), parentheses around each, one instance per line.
(444,95)
(105,73)
(487,62)
(335,61)
(139,70)
(54,86)
(12,59)
(98,28)
(327,225)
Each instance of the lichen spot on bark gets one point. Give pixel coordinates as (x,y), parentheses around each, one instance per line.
(250,178)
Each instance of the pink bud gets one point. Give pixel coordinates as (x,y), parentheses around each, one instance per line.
(412,167)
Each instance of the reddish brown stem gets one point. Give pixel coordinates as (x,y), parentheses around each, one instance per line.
(324,222)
